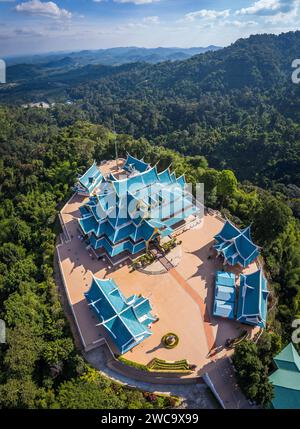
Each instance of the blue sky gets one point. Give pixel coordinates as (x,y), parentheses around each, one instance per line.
(33,26)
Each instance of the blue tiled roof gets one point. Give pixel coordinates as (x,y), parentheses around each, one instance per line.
(89,224)
(253,299)
(164,176)
(288,359)
(84,211)
(145,232)
(181,180)
(224,297)
(224,293)
(224,278)
(120,335)
(91,178)
(173,177)
(245,247)
(136,183)
(228,232)
(116,249)
(136,164)
(223,309)
(142,307)
(247,232)
(286,379)
(125,321)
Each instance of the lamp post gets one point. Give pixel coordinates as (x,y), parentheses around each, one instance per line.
(116,145)
(116,151)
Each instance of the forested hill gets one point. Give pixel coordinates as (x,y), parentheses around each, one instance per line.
(236,106)
(40,159)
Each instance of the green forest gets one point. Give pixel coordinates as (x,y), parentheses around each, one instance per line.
(229,119)
(39,365)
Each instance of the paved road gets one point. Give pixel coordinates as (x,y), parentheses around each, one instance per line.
(195,396)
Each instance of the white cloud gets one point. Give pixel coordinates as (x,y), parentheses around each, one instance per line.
(241,24)
(286,16)
(207,14)
(151,19)
(136,1)
(130,26)
(46,9)
(28,32)
(267,7)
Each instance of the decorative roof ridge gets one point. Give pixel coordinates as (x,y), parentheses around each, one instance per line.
(87,171)
(127,327)
(93,165)
(181,175)
(295,358)
(232,224)
(168,168)
(106,280)
(250,241)
(137,159)
(109,180)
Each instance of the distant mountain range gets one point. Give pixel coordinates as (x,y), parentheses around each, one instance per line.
(236,106)
(112,56)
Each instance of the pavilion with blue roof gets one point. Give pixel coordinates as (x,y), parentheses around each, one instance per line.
(253,299)
(286,379)
(235,245)
(89,181)
(126,320)
(225,293)
(125,215)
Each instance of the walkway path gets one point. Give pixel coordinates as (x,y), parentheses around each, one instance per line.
(195,396)
(196,297)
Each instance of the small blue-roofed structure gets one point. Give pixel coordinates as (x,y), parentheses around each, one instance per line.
(224,298)
(127,321)
(89,181)
(253,299)
(235,245)
(286,379)
(133,164)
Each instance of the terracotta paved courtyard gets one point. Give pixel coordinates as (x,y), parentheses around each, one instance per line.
(181,298)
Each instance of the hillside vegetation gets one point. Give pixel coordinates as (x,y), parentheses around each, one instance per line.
(39,366)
